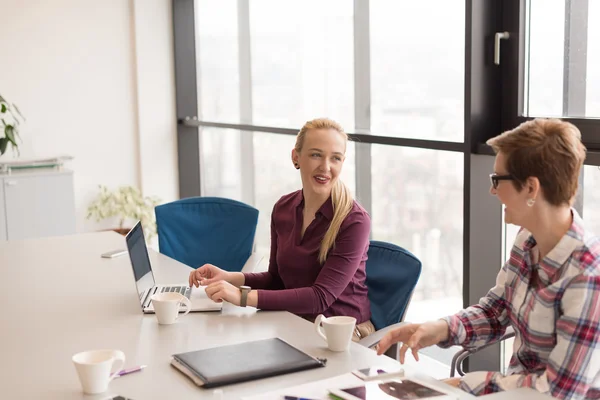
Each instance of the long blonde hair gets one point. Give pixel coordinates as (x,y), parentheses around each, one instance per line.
(340,194)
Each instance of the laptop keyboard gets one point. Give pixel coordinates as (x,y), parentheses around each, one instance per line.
(184,290)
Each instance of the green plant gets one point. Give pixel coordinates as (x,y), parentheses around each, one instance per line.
(10,117)
(125,203)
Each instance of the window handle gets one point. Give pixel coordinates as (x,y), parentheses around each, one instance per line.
(499,36)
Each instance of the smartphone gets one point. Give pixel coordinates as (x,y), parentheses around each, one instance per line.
(375,373)
(114,253)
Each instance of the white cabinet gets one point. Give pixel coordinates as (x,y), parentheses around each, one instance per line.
(37,204)
(2,213)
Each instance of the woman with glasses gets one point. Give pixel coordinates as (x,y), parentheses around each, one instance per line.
(549,289)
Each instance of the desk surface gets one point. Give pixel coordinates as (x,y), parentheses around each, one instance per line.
(60,297)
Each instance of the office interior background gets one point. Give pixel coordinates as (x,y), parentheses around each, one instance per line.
(183,98)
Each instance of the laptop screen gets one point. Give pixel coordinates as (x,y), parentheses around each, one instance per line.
(138,254)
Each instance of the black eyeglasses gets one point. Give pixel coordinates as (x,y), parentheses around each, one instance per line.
(495,179)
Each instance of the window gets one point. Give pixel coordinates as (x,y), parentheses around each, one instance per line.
(417,69)
(593,61)
(546,58)
(302,62)
(562,59)
(591,198)
(217,56)
(510,232)
(418,204)
(221,163)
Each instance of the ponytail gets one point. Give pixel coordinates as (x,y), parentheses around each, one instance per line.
(342,204)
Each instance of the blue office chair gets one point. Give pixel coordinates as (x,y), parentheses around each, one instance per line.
(201,230)
(392,274)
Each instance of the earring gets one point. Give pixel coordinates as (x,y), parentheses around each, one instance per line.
(530,202)
(296,165)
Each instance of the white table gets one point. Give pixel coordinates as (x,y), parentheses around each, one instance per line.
(59,297)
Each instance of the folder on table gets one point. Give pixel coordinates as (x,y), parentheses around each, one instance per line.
(243,362)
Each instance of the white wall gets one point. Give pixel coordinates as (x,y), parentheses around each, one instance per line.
(95,80)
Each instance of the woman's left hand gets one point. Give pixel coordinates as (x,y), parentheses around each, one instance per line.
(224,291)
(452,381)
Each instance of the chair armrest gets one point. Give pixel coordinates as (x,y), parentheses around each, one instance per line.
(252,262)
(373,340)
(464,353)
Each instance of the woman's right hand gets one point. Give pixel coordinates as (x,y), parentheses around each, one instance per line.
(207,274)
(415,337)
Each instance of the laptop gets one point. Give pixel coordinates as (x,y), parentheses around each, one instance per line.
(146,285)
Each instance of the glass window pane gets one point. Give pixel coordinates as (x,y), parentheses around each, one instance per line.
(545,53)
(593,61)
(276,176)
(302,62)
(221,163)
(418,204)
(217,60)
(591,198)
(413,96)
(510,234)
(546,58)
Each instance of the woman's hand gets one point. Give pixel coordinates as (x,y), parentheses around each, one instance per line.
(207,274)
(414,337)
(224,291)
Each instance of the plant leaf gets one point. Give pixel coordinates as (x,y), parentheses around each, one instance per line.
(3,108)
(10,135)
(18,111)
(3,144)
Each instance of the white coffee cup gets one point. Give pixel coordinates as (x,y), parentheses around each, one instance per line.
(338,331)
(94,368)
(166,306)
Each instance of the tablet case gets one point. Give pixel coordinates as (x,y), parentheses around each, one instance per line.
(243,362)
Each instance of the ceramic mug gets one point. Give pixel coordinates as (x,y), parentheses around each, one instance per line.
(166,306)
(336,331)
(94,368)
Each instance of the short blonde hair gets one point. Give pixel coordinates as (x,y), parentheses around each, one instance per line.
(340,194)
(548,149)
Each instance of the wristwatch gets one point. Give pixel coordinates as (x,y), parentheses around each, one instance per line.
(244,290)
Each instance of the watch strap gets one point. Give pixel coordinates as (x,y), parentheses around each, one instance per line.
(244,296)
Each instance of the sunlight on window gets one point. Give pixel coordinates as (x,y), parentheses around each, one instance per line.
(302,62)
(413,96)
(217,60)
(418,205)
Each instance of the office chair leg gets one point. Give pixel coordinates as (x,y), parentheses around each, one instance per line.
(453,364)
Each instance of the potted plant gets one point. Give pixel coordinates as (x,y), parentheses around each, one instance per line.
(10,118)
(127,204)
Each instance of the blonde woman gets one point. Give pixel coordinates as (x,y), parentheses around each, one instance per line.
(319,242)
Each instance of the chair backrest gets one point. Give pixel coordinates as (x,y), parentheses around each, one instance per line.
(392,274)
(201,230)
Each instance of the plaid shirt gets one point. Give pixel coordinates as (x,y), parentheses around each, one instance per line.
(553,306)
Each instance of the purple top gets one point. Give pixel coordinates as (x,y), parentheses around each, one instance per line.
(296,282)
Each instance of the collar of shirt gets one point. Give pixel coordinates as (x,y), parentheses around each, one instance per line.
(326,209)
(556,258)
